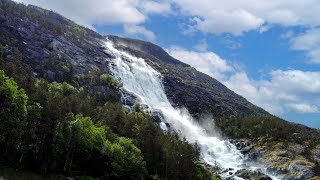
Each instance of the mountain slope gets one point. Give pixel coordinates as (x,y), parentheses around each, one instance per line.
(56,49)
(185,86)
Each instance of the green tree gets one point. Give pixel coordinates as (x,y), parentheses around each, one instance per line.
(12,115)
(80,146)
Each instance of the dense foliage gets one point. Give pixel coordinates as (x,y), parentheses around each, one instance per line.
(59,128)
(12,115)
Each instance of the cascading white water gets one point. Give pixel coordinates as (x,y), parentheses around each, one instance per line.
(145,83)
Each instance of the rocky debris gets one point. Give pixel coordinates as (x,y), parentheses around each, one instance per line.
(300,169)
(251,175)
(281,160)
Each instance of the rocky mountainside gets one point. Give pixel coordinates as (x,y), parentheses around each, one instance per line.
(185,86)
(52,45)
(57,49)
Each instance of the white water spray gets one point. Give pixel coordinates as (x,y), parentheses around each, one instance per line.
(145,83)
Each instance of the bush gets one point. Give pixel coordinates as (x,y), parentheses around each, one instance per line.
(107,80)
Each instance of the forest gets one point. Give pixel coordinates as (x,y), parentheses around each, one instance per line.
(61,128)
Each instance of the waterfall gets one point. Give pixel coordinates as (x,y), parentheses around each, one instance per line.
(145,83)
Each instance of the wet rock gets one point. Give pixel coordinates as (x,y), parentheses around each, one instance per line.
(256,153)
(277,170)
(157,116)
(128,98)
(246,150)
(252,175)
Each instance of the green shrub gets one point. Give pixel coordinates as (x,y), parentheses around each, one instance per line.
(107,80)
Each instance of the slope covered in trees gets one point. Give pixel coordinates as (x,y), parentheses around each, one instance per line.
(62,128)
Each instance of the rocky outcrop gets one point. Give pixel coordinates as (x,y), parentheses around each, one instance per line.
(286,161)
(51,45)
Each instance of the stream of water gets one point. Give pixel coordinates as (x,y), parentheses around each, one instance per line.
(145,83)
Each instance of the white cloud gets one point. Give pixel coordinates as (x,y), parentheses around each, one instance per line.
(282,91)
(129,13)
(136,30)
(93,12)
(264,28)
(208,16)
(206,62)
(279,92)
(236,17)
(304,108)
(234,21)
(153,7)
(308,42)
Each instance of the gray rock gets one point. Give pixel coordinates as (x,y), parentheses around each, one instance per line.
(157,116)
(316,155)
(128,98)
(254,175)
(300,170)
(51,75)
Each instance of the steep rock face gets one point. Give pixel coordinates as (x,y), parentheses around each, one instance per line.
(53,46)
(185,86)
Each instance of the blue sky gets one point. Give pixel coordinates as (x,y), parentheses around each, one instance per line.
(267,51)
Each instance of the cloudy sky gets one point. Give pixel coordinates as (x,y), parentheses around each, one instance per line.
(265,50)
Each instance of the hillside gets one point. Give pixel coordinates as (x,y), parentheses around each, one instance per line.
(66,115)
(185,86)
